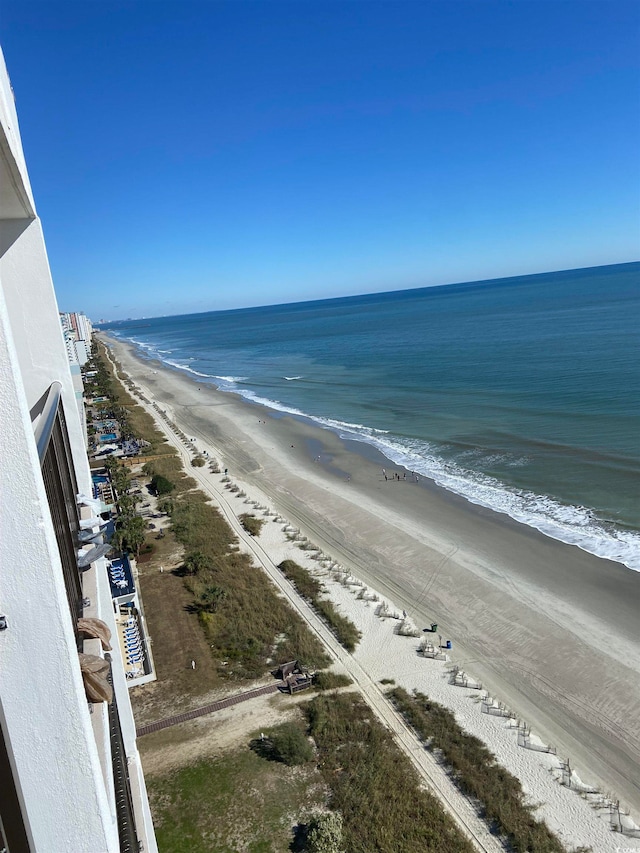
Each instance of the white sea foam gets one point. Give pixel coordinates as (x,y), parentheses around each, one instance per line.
(147,347)
(291,378)
(575,525)
(187,368)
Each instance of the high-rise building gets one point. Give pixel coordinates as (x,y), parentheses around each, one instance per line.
(77,330)
(71,780)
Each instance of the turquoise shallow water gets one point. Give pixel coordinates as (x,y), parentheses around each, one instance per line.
(520,394)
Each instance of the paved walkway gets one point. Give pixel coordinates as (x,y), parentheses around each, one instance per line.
(206,709)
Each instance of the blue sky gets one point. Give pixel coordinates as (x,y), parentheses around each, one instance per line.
(195,156)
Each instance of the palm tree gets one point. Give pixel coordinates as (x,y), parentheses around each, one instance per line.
(211,598)
(134,533)
(127,505)
(195,561)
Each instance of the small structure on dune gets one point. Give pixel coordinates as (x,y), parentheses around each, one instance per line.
(294,675)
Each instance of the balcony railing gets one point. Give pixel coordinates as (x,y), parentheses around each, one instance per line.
(124,803)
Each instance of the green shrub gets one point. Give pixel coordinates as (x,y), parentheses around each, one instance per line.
(161,486)
(195,561)
(307,586)
(198,462)
(344,629)
(325,833)
(165,506)
(206,620)
(290,745)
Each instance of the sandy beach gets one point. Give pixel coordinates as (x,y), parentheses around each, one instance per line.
(548,629)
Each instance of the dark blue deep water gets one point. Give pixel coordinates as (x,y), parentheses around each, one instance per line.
(520,394)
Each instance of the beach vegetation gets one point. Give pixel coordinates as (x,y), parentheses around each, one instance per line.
(194,561)
(327,680)
(165,506)
(195,806)
(287,743)
(161,485)
(346,632)
(308,587)
(251,524)
(210,598)
(373,784)
(476,772)
(170,467)
(325,833)
(251,615)
(198,462)
(130,534)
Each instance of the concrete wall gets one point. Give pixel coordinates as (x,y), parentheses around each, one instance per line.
(61,762)
(43,706)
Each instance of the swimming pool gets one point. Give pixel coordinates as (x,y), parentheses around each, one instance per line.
(100,478)
(108,436)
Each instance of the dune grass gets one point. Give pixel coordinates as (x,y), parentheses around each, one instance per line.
(308,587)
(327,680)
(374,785)
(251,524)
(477,774)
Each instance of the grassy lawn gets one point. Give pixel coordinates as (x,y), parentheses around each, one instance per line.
(240,802)
(177,640)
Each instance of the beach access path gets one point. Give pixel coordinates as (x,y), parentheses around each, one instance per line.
(563,654)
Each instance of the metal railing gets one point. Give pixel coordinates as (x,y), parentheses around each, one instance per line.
(47,409)
(122,787)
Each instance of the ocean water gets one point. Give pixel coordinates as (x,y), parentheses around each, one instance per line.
(519,394)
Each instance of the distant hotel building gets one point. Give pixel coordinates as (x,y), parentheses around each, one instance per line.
(77,331)
(71,779)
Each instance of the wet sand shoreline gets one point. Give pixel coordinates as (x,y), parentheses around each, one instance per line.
(551,630)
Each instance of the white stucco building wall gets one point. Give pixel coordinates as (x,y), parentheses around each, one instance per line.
(55,749)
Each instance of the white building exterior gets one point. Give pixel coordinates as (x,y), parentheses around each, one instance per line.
(77,331)
(70,773)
